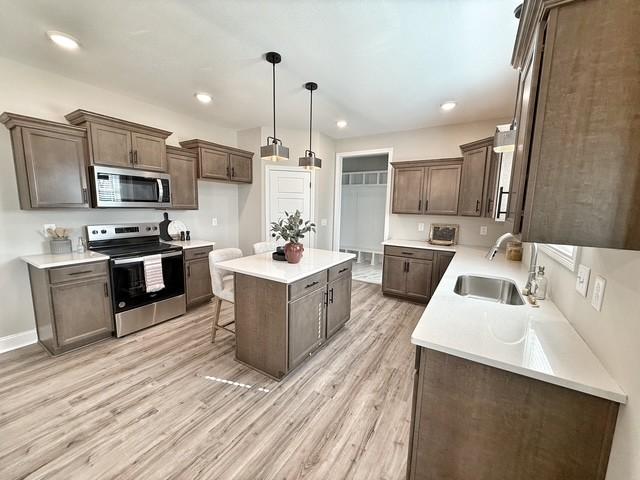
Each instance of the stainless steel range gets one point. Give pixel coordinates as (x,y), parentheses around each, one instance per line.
(136,306)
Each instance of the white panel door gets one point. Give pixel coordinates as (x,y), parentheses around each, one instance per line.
(289,190)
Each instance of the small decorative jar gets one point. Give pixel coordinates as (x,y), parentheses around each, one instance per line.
(60,245)
(293,252)
(514,251)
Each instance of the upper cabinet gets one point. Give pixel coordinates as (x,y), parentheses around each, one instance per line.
(219,162)
(479,178)
(120,143)
(428,187)
(183,169)
(50,162)
(576,164)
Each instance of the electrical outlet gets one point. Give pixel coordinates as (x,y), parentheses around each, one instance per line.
(214,222)
(421,227)
(323,222)
(483,230)
(46,227)
(582,281)
(598,292)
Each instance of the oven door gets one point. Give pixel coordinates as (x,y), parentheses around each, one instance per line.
(121,187)
(128,285)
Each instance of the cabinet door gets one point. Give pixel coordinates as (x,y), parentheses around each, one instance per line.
(149,152)
(184,181)
(408,184)
(443,188)
(339,304)
(82,311)
(306,326)
(419,279)
(493,171)
(110,146)
(442,261)
(56,169)
(197,281)
(214,164)
(241,168)
(472,187)
(393,275)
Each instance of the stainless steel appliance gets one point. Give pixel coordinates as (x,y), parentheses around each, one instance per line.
(124,187)
(127,245)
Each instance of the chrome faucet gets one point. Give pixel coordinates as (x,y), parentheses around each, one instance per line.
(533,262)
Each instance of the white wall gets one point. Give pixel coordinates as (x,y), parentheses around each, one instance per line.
(37,93)
(613,334)
(431,143)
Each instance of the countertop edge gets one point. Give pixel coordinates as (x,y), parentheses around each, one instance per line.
(61,263)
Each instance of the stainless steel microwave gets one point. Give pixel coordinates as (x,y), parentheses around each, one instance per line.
(124,187)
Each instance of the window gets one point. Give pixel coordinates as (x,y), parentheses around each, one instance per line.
(566,255)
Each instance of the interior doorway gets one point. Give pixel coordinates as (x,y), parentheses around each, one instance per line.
(362,209)
(287,189)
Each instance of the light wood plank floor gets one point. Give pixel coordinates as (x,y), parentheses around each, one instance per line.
(152,406)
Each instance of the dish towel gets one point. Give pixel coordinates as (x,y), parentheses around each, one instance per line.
(153,278)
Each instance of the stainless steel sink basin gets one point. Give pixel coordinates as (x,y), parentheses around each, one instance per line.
(499,290)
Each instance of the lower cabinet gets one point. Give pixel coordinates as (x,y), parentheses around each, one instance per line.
(413,273)
(197,279)
(471,421)
(72,305)
(279,326)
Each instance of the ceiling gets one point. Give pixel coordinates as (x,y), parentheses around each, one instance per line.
(381,65)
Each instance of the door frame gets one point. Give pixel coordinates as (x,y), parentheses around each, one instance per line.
(337,198)
(267,197)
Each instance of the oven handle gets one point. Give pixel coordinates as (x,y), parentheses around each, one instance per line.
(160,190)
(124,261)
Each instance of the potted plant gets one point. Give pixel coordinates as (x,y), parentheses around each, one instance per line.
(291,229)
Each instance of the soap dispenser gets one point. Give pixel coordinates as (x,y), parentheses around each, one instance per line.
(541,282)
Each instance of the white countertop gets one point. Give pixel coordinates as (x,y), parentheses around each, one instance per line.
(191,243)
(535,342)
(50,260)
(423,244)
(264,266)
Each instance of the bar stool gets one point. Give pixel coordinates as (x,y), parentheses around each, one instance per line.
(221,285)
(264,247)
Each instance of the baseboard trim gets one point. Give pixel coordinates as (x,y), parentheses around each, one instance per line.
(17,340)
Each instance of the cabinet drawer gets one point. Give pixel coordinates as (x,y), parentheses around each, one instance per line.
(307,285)
(409,252)
(65,274)
(193,253)
(339,270)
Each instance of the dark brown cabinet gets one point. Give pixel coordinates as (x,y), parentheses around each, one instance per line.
(471,421)
(72,305)
(183,168)
(120,143)
(50,162)
(428,187)
(407,273)
(441,262)
(474,188)
(307,326)
(219,162)
(197,277)
(338,304)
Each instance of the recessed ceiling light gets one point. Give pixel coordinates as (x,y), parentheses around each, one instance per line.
(203,97)
(341,123)
(450,105)
(63,40)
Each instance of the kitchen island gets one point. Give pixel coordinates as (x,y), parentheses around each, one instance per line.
(284,312)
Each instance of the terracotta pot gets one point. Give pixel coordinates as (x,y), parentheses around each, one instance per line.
(293,252)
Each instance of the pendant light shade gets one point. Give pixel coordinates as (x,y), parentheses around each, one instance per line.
(310,161)
(504,142)
(274,150)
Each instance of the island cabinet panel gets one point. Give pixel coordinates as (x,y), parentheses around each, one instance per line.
(72,305)
(475,422)
(183,168)
(279,325)
(50,162)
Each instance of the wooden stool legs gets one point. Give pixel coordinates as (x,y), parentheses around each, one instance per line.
(216,321)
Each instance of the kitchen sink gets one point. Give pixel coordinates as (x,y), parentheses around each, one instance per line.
(498,290)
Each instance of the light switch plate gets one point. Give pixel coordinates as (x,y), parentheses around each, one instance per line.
(582,281)
(421,227)
(214,222)
(323,222)
(598,292)
(483,230)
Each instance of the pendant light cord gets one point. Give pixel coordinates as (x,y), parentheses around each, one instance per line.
(274,103)
(310,117)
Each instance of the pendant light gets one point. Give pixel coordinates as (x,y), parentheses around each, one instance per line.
(310,161)
(274,150)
